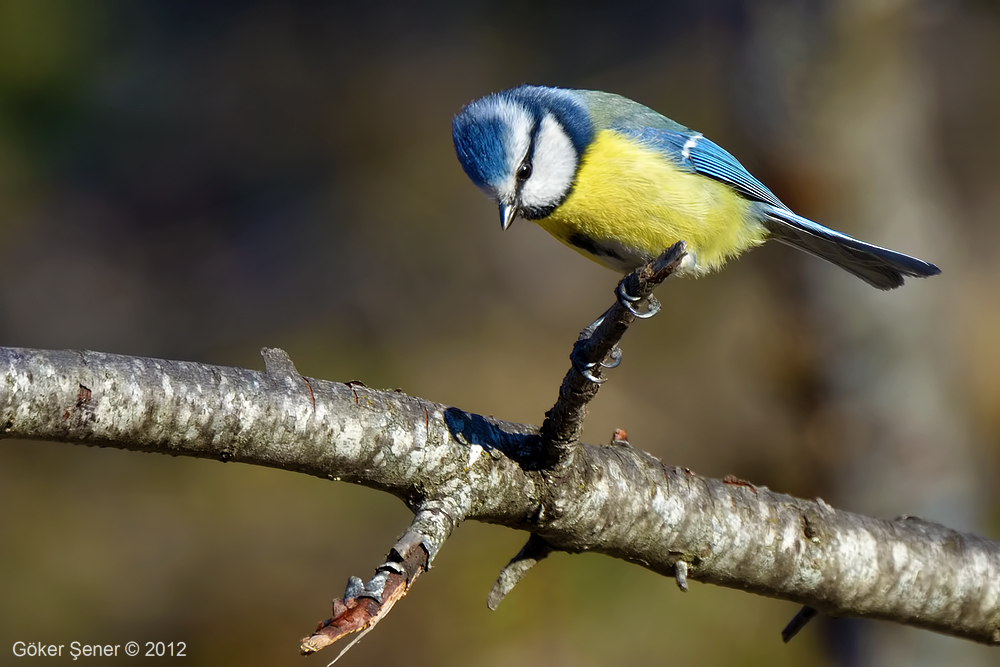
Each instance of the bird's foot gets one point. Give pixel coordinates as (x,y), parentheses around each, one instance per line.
(586,368)
(628,303)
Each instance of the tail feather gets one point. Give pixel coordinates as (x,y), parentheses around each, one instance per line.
(879,267)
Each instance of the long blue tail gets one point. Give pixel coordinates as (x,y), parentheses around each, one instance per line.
(879,267)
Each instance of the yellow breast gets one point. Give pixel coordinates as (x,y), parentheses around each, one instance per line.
(635,199)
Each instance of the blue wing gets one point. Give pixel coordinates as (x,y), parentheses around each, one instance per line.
(692,151)
(880,267)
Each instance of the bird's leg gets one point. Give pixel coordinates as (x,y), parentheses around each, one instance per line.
(627,301)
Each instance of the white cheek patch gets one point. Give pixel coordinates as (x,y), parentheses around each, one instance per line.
(553,166)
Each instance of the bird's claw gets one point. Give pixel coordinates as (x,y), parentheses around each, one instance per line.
(615,358)
(627,301)
(586,369)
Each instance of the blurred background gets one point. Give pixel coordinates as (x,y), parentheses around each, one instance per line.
(197,180)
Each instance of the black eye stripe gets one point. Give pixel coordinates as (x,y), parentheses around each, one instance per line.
(523,172)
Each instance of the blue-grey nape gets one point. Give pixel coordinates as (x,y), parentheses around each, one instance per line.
(566,105)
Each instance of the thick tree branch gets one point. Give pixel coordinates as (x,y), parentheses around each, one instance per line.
(449,466)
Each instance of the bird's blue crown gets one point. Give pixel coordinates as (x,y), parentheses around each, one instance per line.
(482,129)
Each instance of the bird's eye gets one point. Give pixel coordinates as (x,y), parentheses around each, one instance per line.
(524,171)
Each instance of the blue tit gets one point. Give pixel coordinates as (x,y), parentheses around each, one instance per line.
(619,183)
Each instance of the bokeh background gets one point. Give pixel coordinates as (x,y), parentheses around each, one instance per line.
(197,180)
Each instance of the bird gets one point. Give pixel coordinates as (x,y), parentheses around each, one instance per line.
(618,182)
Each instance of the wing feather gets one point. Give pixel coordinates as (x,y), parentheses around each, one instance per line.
(693,152)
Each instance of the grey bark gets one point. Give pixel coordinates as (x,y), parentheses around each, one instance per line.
(444,462)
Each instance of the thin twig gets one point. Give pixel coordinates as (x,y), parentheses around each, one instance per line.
(563,425)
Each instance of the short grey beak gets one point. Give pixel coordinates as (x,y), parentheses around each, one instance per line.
(507,213)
